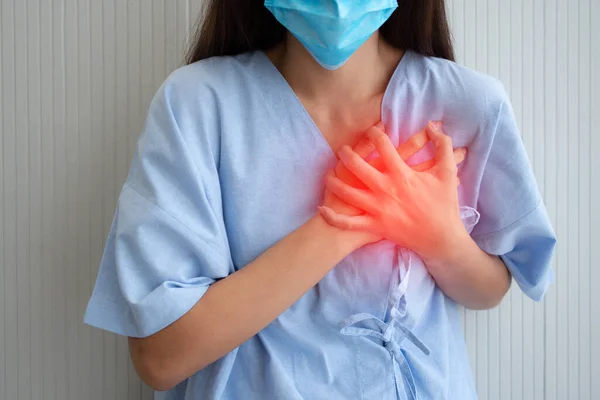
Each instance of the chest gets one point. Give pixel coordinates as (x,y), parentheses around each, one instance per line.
(272,167)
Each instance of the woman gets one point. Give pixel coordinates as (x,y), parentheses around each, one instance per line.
(229,282)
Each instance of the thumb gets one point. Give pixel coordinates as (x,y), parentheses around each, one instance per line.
(380,125)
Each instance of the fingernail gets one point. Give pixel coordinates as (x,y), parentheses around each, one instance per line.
(434,125)
(343,152)
(323,210)
(437,124)
(372,134)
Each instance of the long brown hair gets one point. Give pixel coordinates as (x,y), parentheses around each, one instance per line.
(230,27)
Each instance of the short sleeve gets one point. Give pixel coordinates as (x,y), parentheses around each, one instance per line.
(514,223)
(167,242)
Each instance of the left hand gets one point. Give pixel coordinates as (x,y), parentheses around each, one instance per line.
(418,210)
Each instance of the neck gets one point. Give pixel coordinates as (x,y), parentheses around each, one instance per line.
(364,76)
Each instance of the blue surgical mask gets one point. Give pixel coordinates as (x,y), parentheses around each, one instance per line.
(332,30)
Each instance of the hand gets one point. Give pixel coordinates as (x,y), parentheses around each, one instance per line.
(363,149)
(418,210)
(412,146)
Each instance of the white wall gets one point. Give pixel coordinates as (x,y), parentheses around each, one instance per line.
(76,81)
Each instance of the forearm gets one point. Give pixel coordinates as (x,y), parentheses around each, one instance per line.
(239,306)
(470,276)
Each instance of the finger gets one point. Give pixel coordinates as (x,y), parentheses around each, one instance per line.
(370,176)
(364,148)
(413,145)
(389,155)
(334,174)
(330,173)
(442,144)
(380,125)
(354,223)
(459,156)
(344,174)
(328,194)
(424,166)
(355,197)
(406,150)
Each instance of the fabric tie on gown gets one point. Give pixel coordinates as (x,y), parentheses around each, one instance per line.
(392,332)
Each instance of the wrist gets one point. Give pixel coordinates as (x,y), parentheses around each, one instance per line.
(452,251)
(341,241)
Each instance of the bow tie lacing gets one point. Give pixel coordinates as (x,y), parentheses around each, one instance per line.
(388,331)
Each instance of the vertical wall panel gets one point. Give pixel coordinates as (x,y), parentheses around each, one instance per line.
(9,201)
(59,243)
(548,135)
(47,265)
(76,80)
(582,199)
(594,182)
(83,209)
(98,131)
(561,223)
(73,225)
(34,160)
(2,252)
(108,160)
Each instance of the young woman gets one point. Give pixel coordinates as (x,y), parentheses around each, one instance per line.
(229,279)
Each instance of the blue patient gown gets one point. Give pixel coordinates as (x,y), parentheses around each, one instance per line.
(230,162)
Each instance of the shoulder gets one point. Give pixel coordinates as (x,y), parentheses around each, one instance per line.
(215,76)
(195,96)
(183,117)
(461,81)
(461,88)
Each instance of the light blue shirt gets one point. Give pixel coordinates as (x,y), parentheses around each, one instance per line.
(230,162)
